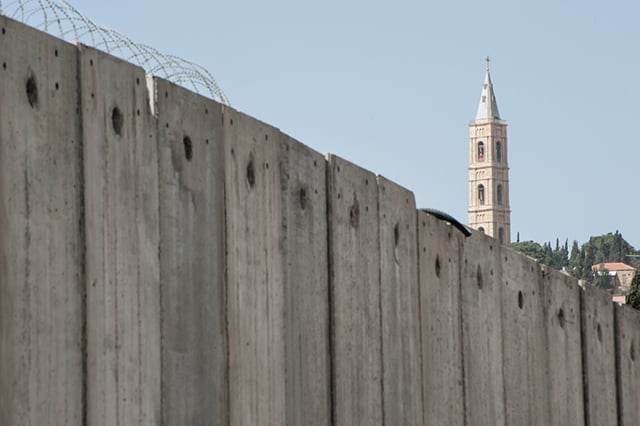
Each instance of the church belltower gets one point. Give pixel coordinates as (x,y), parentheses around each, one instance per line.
(488,168)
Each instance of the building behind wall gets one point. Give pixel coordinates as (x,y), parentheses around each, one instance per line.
(489,210)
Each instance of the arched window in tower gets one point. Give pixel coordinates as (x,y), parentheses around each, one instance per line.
(499,194)
(480,151)
(481,194)
(501,235)
(499,152)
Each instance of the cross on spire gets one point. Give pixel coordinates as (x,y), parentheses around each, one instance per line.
(488,60)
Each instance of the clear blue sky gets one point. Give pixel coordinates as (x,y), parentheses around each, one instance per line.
(392,86)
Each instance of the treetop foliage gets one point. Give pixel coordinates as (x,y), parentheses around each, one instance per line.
(633,297)
(577,262)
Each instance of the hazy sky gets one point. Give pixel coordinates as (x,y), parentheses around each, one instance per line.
(392,86)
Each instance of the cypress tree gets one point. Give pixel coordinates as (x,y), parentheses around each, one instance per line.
(633,296)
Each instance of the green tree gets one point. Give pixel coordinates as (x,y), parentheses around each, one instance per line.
(602,279)
(610,247)
(633,296)
(530,248)
(575,260)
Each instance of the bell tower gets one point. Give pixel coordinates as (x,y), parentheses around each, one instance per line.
(489,210)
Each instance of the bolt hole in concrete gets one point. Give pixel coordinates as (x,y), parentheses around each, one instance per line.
(251,175)
(438,266)
(354,214)
(57,86)
(599,332)
(4,65)
(117,120)
(3,31)
(478,277)
(632,351)
(55,52)
(396,235)
(188,148)
(303,197)
(520,299)
(561,318)
(32,91)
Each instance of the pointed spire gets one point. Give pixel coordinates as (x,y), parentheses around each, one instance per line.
(488,108)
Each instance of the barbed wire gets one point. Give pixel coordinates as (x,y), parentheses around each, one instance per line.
(59,18)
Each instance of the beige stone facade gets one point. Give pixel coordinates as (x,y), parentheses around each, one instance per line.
(620,274)
(489,209)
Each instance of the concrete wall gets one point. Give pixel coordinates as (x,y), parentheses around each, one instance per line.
(165,260)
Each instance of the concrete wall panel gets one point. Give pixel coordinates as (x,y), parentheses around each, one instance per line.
(308,389)
(355,294)
(191,169)
(628,351)
(292,289)
(564,348)
(524,341)
(480,296)
(255,271)
(41,245)
(401,360)
(439,246)
(121,206)
(598,357)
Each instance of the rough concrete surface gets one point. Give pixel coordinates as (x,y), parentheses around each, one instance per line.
(303,180)
(255,271)
(598,357)
(564,348)
(41,246)
(628,337)
(355,294)
(480,295)
(122,241)
(439,251)
(168,260)
(524,341)
(399,302)
(191,188)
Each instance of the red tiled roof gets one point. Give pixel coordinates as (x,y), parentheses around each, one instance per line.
(613,266)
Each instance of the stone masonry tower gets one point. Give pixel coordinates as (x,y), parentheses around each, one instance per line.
(488,168)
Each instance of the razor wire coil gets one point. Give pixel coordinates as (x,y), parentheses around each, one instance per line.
(59,18)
